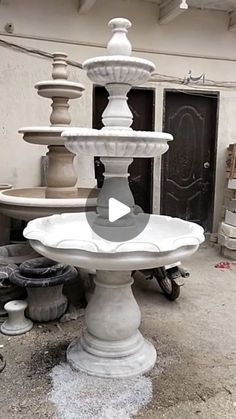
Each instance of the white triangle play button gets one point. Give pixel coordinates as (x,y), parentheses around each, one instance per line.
(117,210)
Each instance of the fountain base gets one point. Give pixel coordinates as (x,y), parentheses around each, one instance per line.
(112,345)
(111,365)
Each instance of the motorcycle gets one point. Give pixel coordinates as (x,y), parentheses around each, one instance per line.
(169,278)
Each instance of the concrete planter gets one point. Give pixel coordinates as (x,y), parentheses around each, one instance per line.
(43,280)
(46,304)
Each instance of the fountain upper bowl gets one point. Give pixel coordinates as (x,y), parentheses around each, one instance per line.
(116,142)
(119,69)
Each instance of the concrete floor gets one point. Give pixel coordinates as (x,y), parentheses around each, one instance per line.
(195,338)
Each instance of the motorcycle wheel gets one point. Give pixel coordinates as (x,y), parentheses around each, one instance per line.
(2,362)
(170,289)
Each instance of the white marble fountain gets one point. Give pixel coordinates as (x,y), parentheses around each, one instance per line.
(112,345)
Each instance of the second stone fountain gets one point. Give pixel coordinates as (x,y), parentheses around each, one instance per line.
(112,345)
(61,194)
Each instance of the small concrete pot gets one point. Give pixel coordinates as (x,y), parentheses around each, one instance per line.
(16,324)
(43,280)
(46,303)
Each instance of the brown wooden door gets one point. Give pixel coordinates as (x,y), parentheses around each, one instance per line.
(141,102)
(188,168)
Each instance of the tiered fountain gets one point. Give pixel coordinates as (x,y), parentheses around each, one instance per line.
(112,345)
(60,193)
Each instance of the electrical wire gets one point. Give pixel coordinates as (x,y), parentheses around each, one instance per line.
(34,51)
(156,77)
(163,78)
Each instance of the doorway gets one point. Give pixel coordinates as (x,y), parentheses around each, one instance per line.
(188,168)
(141,103)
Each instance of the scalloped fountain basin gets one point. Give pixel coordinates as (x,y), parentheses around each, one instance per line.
(116,142)
(68,237)
(29,203)
(119,69)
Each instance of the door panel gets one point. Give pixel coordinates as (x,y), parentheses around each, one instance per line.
(141,103)
(188,168)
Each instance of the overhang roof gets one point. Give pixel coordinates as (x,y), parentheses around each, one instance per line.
(223,5)
(170,9)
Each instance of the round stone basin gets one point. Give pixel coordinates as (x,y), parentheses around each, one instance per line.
(59,88)
(116,142)
(120,68)
(44,135)
(68,238)
(29,203)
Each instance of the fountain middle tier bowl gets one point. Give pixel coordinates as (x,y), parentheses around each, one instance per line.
(119,69)
(44,135)
(29,203)
(68,238)
(59,88)
(116,142)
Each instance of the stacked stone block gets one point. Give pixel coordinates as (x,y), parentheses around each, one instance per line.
(227,230)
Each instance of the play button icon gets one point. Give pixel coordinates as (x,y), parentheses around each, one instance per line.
(117,218)
(117,210)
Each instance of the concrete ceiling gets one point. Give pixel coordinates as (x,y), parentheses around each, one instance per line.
(223,5)
(170,9)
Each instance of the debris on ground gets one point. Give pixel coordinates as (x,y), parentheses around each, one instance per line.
(223,265)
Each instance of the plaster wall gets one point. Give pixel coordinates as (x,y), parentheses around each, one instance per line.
(197,40)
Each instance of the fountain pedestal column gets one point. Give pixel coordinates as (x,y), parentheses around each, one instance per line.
(61,178)
(112,345)
(115,179)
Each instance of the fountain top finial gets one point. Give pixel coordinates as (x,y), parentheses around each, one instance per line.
(59,66)
(119,23)
(119,44)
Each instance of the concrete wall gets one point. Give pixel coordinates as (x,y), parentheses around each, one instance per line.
(197,40)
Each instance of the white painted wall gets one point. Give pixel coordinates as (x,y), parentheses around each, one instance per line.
(193,41)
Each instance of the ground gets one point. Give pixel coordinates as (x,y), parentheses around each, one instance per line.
(195,338)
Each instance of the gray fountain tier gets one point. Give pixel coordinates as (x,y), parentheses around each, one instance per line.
(61,193)
(112,345)
(16,253)
(43,280)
